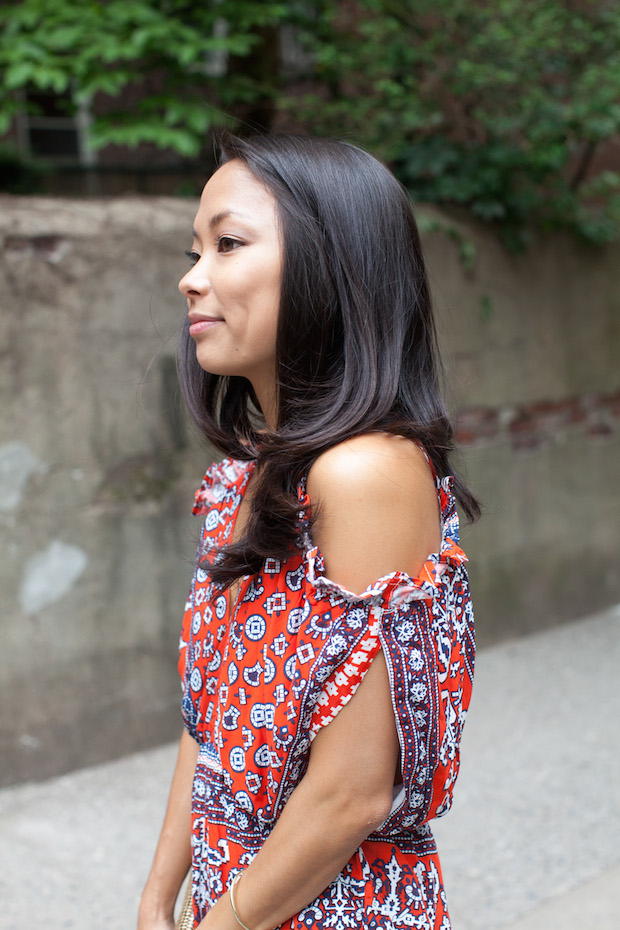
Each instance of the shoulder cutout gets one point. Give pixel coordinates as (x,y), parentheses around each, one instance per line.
(377,509)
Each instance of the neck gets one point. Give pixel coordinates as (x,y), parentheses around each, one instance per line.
(267,399)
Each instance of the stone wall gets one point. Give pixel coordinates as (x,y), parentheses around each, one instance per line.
(97,466)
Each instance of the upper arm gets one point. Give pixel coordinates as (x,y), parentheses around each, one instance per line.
(376,512)
(377,509)
(356,755)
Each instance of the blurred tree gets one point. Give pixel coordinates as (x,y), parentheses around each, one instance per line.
(167,69)
(501,107)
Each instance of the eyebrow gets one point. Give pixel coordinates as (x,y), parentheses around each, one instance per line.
(224,214)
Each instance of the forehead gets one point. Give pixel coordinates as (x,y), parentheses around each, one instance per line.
(234,189)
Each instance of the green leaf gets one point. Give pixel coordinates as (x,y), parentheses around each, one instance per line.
(488,106)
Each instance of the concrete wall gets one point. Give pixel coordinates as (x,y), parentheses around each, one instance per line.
(95,533)
(533,350)
(97,469)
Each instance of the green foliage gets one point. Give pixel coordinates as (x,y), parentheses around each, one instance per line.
(90,48)
(465,245)
(502,109)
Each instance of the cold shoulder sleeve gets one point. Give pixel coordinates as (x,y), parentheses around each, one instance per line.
(425,627)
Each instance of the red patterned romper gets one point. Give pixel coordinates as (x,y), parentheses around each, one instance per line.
(257,688)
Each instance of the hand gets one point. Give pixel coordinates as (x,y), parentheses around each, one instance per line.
(162,923)
(149,919)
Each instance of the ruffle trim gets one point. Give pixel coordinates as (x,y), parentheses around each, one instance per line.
(217,482)
(396,588)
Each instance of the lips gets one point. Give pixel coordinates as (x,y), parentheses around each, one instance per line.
(199,323)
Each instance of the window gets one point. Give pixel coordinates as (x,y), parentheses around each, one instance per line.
(50,128)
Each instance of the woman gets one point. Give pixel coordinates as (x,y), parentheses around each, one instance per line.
(327,646)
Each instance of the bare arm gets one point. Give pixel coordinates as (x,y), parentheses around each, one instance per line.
(346,793)
(344,796)
(173,853)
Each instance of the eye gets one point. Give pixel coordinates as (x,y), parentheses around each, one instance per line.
(193,256)
(227,244)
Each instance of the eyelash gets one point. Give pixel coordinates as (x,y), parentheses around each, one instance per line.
(195,257)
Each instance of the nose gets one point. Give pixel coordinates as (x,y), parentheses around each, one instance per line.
(196,281)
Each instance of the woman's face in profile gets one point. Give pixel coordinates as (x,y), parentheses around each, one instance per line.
(233,287)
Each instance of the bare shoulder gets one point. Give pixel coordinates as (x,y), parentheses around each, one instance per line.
(377,508)
(367,461)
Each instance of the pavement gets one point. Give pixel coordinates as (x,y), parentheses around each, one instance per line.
(532,841)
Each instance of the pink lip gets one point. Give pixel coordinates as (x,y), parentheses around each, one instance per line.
(201,326)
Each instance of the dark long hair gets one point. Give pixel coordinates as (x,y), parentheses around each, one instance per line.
(356,347)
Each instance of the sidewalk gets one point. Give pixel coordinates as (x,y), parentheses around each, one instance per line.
(532,843)
(533,840)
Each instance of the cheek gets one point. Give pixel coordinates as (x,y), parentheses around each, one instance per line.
(246,287)
(274,287)
(264,321)
(253,290)
(263,293)
(271,309)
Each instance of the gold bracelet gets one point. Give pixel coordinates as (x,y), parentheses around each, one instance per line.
(232,901)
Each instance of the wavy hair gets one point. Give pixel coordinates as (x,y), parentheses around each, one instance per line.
(356,347)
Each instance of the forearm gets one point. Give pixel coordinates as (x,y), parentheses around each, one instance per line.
(345,795)
(173,853)
(312,841)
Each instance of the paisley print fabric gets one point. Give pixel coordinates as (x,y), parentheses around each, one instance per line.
(261,680)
